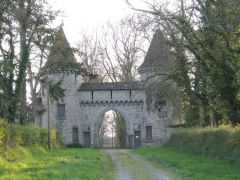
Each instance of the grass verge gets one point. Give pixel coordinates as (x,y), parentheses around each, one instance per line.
(108,170)
(36,163)
(192,166)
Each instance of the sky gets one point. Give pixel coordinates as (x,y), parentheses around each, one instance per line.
(82,15)
(87,15)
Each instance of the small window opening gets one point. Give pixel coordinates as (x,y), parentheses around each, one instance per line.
(149,132)
(61,110)
(75,134)
(163,109)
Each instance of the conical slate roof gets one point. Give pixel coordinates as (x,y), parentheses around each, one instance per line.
(158,55)
(61,54)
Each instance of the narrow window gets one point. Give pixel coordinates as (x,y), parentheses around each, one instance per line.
(92,95)
(75,134)
(111,94)
(61,110)
(149,132)
(162,109)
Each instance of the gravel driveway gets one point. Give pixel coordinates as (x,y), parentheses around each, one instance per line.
(131,166)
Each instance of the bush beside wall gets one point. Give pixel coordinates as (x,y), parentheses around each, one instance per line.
(222,142)
(14,135)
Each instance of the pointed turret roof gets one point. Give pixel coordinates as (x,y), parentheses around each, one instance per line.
(158,55)
(61,54)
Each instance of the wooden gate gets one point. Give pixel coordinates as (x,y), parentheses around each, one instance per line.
(137,139)
(86,136)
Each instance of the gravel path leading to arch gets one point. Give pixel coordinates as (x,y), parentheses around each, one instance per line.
(131,166)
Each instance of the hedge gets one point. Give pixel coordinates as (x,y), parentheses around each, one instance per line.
(14,135)
(221,142)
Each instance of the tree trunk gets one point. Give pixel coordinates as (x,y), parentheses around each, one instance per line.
(23,62)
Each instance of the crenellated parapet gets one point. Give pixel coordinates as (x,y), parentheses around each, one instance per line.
(111,103)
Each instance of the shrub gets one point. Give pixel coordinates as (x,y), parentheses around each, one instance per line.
(222,142)
(53,136)
(59,138)
(14,135)
(3,134)
(30,135)
(43,137)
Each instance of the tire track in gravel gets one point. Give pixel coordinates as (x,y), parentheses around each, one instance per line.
(131,166)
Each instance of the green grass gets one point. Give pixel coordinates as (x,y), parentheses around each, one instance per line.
(192,166)
(36,163)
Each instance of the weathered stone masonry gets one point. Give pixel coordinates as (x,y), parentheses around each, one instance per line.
(151,102)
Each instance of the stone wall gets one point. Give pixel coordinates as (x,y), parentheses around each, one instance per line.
(84,110)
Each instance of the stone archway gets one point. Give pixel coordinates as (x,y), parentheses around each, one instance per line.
(112,130)
(92,113)
(99,122)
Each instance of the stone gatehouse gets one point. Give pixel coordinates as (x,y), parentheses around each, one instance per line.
(147,106)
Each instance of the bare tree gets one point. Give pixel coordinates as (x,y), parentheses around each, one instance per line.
(39,54)
(103,129)
(115,52)
(89,54)
(122,48)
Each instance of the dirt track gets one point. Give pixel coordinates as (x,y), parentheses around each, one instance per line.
(131,166)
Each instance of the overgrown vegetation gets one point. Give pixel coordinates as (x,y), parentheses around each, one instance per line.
(23,155)
(36,163)
(24,31)
(204,36)
(16,135)
(222,142)
(200,153)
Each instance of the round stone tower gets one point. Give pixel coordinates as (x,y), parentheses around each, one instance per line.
(61,66)
(162,102)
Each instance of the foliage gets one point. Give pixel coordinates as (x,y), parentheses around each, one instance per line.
(191,166)
(3,134)
(24,29)
(204,36)
(120,126)
(16,135)
(36,163)
(222,142)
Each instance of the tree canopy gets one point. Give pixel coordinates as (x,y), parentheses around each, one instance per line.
(204,36)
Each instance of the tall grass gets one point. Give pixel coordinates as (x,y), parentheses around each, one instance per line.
(23,156)
(222,142)
(200,153)
(190,166)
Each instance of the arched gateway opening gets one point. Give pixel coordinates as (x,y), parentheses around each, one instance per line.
(112,130)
